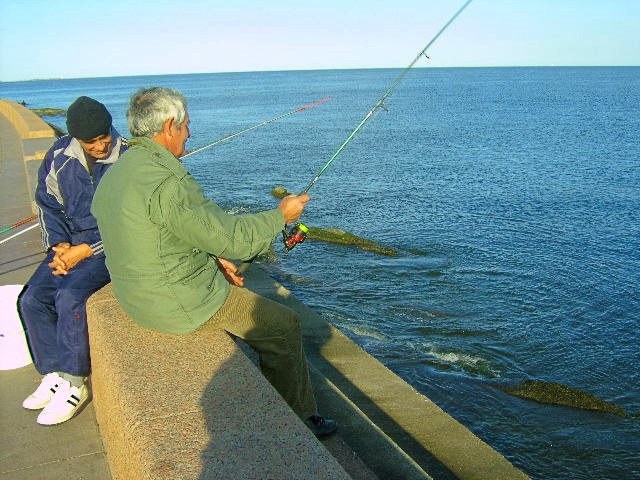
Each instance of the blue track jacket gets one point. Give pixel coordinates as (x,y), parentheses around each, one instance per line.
(65,192)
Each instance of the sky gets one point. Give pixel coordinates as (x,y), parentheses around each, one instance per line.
(71,39)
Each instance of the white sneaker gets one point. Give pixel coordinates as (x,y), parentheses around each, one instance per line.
(44,393)
(64,404)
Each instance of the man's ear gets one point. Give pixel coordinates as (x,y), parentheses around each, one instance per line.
(167,127)
(165,136)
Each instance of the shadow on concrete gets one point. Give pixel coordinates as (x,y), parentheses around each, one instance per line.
(251,431)
(377,440)
(15,265)
(369,444)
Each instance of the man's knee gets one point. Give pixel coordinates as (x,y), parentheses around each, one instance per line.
(71,299)
(30,299)
(290,320)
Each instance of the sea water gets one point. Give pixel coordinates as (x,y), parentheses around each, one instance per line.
(512,197)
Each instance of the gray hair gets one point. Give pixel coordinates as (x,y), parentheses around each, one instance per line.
(151,107)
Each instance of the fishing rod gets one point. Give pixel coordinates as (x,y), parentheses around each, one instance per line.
(17,224)
(298,233)
(380,103)
(212,144)
(229,137)
(19,233)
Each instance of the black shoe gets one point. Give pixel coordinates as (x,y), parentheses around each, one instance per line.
(321,427)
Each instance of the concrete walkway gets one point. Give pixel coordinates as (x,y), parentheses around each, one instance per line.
(29,451)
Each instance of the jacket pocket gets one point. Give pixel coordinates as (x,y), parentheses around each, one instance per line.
(200,276)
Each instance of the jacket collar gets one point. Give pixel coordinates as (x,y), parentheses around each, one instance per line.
(160,155)
(74,149)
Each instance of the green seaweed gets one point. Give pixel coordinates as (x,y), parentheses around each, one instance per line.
(280,192)
(49,112)
(558,394)
(340,237)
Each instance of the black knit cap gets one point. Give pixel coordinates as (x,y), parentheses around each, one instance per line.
(87,118)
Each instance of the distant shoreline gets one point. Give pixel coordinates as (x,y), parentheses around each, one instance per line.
(319,69)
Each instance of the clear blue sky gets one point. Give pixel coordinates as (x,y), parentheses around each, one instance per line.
(89,38)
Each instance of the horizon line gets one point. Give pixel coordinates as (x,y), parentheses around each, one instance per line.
(310,70)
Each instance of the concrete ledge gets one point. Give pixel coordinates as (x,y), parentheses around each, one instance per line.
(191,406)
(27,123)
(34,135)
(430,438)
(36,148)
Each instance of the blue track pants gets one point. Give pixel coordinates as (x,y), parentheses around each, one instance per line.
(53,311)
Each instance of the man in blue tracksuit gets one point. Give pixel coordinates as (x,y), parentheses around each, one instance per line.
(53,303)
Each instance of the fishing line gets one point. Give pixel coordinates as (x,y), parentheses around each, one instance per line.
(229,137)
(380,103)
(212,144)
(19,233)
(298,233)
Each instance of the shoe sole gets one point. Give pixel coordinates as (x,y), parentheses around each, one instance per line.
(35,408)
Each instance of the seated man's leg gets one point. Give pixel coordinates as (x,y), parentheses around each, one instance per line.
(273,330)
(76,287)
(36,305)
(73,340)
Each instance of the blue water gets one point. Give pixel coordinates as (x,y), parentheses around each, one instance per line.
(512,196)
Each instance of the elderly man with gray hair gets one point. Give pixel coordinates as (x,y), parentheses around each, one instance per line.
(168,245)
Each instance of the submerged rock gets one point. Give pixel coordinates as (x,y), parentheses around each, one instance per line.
(558,394)
(280,192)
(49,112)
(334,235)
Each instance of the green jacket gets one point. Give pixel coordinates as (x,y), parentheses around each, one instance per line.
(161,236)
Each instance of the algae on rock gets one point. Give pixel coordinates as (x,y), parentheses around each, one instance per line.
(49,112)
(280,192)
(558,394)
(334,235)
(340,237)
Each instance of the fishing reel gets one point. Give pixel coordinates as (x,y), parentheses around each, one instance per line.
(293,236)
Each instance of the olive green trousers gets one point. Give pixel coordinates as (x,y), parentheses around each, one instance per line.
(273,331)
